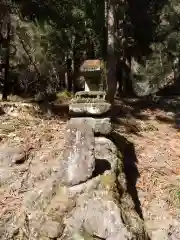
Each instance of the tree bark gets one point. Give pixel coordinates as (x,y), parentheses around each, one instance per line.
(111,56)
(69,74)
(6,71)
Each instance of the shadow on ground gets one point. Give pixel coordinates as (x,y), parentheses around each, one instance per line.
(136,108)
(54,105)
(130,168)
(60,110)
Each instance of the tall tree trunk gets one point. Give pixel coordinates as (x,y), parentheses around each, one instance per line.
(78,58)
(90,51)
(111,56)
(6,71)
(69,74)
(76,69)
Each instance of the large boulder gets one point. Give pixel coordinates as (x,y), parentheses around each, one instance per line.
(93,209)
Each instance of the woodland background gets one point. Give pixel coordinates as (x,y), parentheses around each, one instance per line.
(40,41)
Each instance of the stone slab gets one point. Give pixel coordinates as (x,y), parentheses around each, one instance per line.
(92,109)
(78,161)
(99,125)
(91,94)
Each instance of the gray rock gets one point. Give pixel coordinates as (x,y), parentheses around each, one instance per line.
(6,174)
(117,236)
(80,235)
(108,214)
(144,88)
(78,161)
(174,232)
(52,229)
(45,208)
(100,126)
(103,126)
(41,196)
(49,194)
(99,216)
(11,155)
(88,186)
(105,149)
(93,109)
(12,176)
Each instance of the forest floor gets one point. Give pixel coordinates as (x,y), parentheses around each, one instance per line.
(153,132)
(150,129)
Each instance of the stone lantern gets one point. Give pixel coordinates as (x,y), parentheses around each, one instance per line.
(92,72)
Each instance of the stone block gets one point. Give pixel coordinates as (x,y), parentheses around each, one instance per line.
(99,125)
(89,109)
(91,94)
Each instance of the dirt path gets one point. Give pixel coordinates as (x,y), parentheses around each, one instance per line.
(156,144)
(42,140)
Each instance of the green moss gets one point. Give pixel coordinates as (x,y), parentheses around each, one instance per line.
(120,165)
(108,181)
(60,204)
(134,223)
(174,194)
(84,235)
(64,95)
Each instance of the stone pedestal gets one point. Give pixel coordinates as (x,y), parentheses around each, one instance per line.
(89,104)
